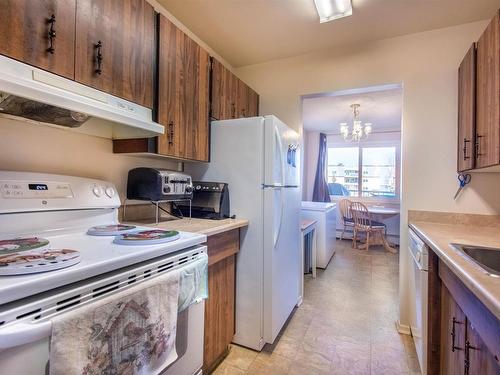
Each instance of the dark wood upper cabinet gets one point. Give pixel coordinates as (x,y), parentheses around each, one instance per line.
(247,103)
(231,97)
(252,103)
(488,96)
(183,94)
(467,110)
(115,48)
(224,92)
(30,34)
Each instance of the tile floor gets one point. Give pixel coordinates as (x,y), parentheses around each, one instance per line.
(344,326)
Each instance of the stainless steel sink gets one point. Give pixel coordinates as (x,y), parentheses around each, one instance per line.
(488,258)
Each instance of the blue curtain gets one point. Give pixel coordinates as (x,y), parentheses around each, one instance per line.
(320,192)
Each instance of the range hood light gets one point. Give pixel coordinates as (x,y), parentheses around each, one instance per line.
(329,10)
(79,116)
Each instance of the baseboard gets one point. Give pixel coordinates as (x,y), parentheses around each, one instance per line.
(299,301)
(402,328)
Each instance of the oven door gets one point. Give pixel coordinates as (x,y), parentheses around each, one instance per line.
(33,358)
(25,338)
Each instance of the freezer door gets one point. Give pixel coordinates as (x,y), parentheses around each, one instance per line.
(281,154)
(282,261)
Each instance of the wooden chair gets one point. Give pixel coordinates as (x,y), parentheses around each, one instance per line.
(346,215)
(364,223)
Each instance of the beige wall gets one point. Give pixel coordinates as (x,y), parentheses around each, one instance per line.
(39,148)
(426,64)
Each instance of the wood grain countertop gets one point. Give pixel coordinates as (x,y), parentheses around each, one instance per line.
(439,236)
(201,226)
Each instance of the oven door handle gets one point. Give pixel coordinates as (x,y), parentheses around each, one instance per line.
(24,333)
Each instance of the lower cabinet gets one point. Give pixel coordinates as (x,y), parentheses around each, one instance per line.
(478,359)
(220,305)
(469,332)
(453,327)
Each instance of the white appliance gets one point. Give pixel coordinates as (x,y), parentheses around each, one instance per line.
(44,97)
(419,292)
(60,210)
(259,159)
(325,215)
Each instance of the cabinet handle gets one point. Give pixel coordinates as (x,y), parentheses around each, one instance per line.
(98,57)
(465,149)
(453,334)
(478,145)
(52,33)
(170,135)
(468,348)
(233,110)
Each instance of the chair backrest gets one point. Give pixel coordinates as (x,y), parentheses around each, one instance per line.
(345,209)
(361,215)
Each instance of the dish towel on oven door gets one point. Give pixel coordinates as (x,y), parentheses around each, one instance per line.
(131,332)
(193,282)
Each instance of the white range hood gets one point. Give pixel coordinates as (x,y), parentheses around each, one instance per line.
(38,96)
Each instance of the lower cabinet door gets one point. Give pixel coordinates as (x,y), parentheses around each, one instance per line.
(478,359)
(453,327)
(219,311)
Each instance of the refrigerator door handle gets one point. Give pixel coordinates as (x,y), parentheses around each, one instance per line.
(279,146)
(281,213)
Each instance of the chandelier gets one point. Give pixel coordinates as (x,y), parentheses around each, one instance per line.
(359,131)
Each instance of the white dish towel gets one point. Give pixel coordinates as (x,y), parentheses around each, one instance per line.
(131,332)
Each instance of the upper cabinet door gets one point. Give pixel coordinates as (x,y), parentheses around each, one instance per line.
(248,101)
(253,103)
(114,48)
(183,94)
(488,96)
(467,110)
(40,33)
(224,92)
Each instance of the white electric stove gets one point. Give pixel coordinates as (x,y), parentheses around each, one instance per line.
(60,235)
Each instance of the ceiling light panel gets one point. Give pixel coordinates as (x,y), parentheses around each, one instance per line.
(330,10)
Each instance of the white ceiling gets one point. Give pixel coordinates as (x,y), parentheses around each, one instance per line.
(247,32)
(381,106)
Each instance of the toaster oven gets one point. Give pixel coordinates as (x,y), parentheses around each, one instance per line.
(154,184)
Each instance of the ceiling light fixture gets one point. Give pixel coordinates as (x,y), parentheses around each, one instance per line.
(330,10)
(358,130)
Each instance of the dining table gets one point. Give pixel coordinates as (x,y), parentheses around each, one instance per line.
(381,213)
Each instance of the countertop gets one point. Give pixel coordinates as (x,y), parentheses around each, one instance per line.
(438,237)
(201,226)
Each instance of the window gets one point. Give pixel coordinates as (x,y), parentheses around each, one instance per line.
(365,171)
(343,171)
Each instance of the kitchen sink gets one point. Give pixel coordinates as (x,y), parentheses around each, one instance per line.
(488,258)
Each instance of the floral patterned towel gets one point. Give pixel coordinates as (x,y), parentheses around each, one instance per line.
(131,332)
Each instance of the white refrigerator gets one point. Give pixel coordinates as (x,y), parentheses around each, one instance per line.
(259,158)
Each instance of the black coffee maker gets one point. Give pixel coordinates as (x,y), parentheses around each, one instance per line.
(210,201)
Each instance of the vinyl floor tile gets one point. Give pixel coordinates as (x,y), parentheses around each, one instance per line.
(344,326)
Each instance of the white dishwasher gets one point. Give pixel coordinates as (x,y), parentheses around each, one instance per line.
(419,288)
(325,215)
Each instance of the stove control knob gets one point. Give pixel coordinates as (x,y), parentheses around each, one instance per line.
(97,190)
(198,187)
(110,192)
(189,189)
